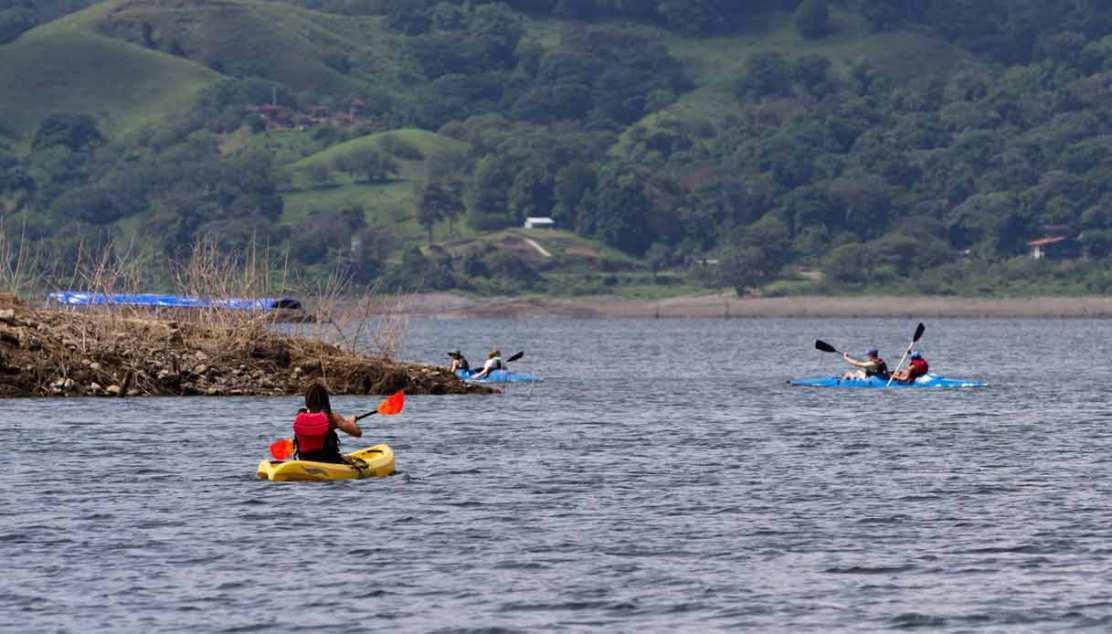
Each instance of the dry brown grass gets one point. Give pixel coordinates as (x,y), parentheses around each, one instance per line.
(213,274)
(359,321)
(20,269)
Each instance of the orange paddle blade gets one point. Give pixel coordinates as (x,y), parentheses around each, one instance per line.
(393,404)
(281,448)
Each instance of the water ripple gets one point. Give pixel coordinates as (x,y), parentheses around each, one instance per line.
(663,478)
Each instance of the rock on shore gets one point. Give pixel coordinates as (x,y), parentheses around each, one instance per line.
(60,352)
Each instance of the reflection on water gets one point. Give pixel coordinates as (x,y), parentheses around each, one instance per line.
(664,475)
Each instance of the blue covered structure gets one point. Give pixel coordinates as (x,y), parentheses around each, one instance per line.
(76,298)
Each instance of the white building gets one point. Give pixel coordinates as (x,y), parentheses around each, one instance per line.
(539,222)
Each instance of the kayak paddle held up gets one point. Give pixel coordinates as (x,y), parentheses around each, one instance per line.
(919,330)
(823,346)
(391,405)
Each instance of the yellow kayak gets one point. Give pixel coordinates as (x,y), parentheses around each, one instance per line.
(372,462)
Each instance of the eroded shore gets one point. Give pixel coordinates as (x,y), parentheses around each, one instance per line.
(59,352)
(728,305)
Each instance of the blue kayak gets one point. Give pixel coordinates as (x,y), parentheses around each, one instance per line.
(930,380)
(499,376)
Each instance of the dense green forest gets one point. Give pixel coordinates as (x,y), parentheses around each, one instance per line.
(770,146)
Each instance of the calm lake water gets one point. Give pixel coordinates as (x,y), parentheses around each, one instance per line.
(663,477)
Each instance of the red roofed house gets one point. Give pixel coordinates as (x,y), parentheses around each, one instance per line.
(1053,248)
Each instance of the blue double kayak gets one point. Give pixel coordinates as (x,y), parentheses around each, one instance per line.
(930,380)
(499,376)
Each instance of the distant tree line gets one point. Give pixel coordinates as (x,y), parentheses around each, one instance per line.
(868,176)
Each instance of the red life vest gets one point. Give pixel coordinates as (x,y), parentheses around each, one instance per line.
(311,429)
(917,368)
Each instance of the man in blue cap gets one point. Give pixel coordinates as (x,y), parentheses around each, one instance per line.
(873,365)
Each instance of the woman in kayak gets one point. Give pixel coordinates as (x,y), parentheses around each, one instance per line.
(493,362)
(873,365)
(315,428)
(916,368)
(459,362)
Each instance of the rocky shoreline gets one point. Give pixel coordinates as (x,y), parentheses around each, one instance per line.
(65,352)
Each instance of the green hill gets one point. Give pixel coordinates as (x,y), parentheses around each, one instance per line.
(67,65)
(304,50)
(423,143)
(391,204)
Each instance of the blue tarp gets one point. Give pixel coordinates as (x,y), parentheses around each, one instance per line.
(74,298)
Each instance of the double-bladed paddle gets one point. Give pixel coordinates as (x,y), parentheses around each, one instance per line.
(510,359)
(283,447)
(822,345)
(919,330)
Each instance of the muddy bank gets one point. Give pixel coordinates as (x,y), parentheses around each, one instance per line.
(727,305)
(62,352)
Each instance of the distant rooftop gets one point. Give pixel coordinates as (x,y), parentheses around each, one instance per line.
(1042,242)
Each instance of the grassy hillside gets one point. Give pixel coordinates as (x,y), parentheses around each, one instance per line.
(387,205)
(391,204)
(427,144)
(67,66)
(304,50)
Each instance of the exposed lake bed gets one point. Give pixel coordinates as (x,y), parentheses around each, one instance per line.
(729,306)
(122,352)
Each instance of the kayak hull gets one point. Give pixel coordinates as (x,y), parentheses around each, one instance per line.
(929,381)
(371,462)
(499,376)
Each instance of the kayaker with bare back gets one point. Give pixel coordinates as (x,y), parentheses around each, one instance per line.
(459,362)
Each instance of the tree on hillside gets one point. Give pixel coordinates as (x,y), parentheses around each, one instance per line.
(485,195)
(812,18)
(618,211)
(436,202)
(319,175)
(572,184)
(367,164)
(659,257)
(691,17)
(745,267)
(766,75)
(15,183)
(75,131)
